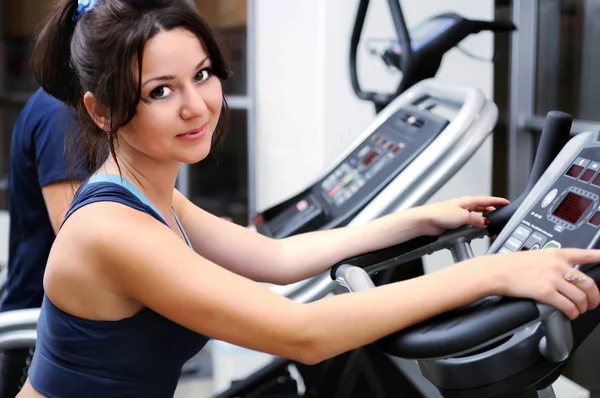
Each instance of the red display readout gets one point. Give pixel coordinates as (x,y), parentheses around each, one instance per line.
(572,208)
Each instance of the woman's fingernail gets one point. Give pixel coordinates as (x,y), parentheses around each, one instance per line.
(486,222)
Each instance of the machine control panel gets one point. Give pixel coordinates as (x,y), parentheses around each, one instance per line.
(393,145)
(567,214)
(361,176)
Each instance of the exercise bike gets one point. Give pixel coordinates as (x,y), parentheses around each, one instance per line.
(501,346)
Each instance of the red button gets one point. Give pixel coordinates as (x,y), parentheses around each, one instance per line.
(302,205)
(334,190)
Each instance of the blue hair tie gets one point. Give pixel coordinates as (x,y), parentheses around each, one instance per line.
(83,6)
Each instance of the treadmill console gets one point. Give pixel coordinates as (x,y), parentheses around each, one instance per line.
(360,176)
(393,144)
(568,213)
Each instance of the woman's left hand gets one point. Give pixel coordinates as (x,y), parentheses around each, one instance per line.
(458,212)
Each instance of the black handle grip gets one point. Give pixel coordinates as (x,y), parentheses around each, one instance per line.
(555,134)
(472,326)
(493,26)
(462,329)
(378,256)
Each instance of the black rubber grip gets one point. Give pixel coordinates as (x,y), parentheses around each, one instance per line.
(378,256)
(460,330)
(555,134)
(479,323)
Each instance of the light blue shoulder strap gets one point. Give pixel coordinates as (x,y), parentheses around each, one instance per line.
(119,180)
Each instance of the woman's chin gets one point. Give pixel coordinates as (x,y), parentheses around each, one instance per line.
(195,157)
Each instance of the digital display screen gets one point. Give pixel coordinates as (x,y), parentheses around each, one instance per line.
(595,220)
(596,180)
(572,208)
(587,175)
(574,171)
(370,158)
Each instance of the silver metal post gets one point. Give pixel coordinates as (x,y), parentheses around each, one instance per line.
(461,250)
(547,393)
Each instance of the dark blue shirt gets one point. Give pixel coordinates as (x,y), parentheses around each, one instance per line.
(139,356)
(37,159)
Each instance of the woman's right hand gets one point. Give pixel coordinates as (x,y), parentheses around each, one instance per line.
(542,276)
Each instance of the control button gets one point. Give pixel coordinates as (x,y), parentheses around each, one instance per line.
(559,227)
(535,247)
(513,244)
(535,239)
(302,205)
(596,180)
(587,175)
(549,198)
(504,250)
(594,166)
(582,162)
(348,179)
(522,233)
(334,190)
(552,245)
(574,171)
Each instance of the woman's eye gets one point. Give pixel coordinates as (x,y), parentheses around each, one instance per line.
(160,92)
(203,75)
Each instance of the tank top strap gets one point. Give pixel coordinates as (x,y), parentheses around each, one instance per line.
(114,188)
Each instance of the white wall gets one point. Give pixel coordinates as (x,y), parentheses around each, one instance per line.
(307,112)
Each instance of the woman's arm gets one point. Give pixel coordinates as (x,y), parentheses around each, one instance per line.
(148,263)
(302,256)
(292,259)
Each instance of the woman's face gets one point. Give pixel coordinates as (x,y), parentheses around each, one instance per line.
(181,101)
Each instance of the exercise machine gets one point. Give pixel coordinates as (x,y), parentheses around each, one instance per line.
(416,54)
(502,346)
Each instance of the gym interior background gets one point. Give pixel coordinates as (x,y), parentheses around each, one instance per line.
(294,111)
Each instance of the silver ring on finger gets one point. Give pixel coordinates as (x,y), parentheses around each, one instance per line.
(574,277)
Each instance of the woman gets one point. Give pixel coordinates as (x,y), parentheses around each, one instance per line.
(139,278)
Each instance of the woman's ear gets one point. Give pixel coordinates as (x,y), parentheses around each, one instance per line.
(97,111)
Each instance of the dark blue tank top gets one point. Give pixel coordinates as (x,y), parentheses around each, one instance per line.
(140,356)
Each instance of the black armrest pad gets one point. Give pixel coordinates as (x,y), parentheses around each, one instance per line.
(378,256)
(460,330)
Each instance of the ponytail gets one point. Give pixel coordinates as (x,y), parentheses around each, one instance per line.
(52,52)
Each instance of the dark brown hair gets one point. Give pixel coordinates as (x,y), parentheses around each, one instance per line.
(96,52)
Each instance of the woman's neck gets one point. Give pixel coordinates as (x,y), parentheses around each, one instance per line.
(155,181)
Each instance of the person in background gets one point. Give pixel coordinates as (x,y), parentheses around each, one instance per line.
(41,186)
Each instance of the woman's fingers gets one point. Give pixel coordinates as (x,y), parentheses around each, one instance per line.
(472,203)
(563,304)
(576,295)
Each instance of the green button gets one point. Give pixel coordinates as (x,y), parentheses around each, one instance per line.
(552,245)
(348,179)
